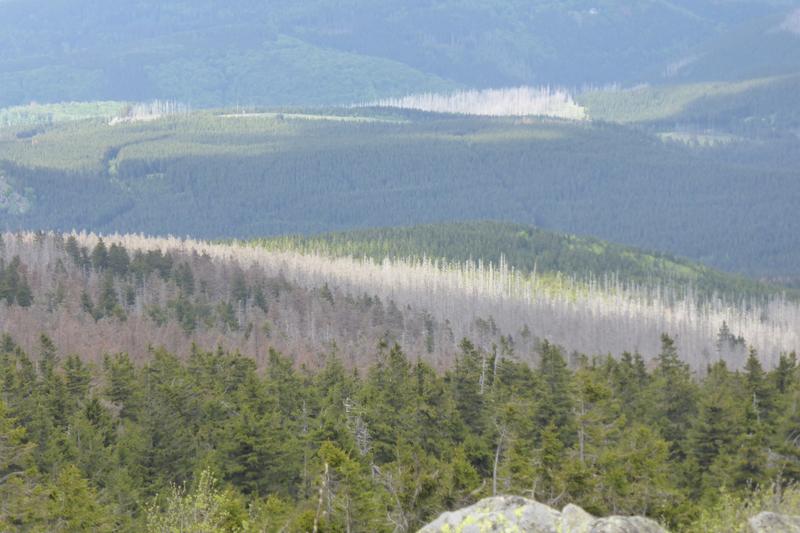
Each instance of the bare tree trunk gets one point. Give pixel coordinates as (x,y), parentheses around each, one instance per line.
(582,434)
(497,460)
(322,488)
(483,371)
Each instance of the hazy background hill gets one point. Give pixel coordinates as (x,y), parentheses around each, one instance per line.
(284,52)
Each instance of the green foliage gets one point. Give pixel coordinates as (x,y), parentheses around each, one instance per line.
(19,496)
(731,511)
(730,106)
(348,501)
(555,407)
(74,505)
(206,509)
(209,443)
(14,288)
(47,114)
(673,397)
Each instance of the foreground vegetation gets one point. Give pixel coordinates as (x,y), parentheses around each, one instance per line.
(204,442)
(165,384)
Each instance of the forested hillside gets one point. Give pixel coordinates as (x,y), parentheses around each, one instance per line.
(127,294)
(761,46)
(202,441)
(339,266)
(282,52)
(154,384)
(218,175)
(529,249)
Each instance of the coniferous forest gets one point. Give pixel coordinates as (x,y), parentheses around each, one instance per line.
(444,266)
(207,441)
(166,385)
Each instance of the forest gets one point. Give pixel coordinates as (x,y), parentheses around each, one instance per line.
(222,176)
(530,249)
(342,266)
(207,441)
(97,295)
(368,381)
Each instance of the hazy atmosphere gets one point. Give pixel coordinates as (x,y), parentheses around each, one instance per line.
(421,265)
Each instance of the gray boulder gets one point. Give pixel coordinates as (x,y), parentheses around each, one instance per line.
(500,513)
(774,523)
(575,520)
(516,514)
(625,524)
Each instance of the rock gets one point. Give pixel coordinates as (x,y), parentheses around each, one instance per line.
(575,520)
(774,523)
(516,514)
(625,524)
(500,513)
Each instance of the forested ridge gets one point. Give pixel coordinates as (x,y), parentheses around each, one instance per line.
(528,249)
(213,176)
(755,108)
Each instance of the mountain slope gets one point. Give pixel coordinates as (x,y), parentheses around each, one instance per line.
(761,47)
(526,249)
(127,293)
(752,107)
(283,52)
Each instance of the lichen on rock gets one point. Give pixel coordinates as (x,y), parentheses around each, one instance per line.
(774,523)
(516,514)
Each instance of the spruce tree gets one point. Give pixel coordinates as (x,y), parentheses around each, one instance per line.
(99,256)
(715,427)
(759,389)
(20,502)
(671,397)
(554,404)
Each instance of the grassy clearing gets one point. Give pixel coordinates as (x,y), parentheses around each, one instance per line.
(91,144)
(45,114)
(653,103)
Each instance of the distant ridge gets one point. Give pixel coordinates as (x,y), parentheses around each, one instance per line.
(528,249)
